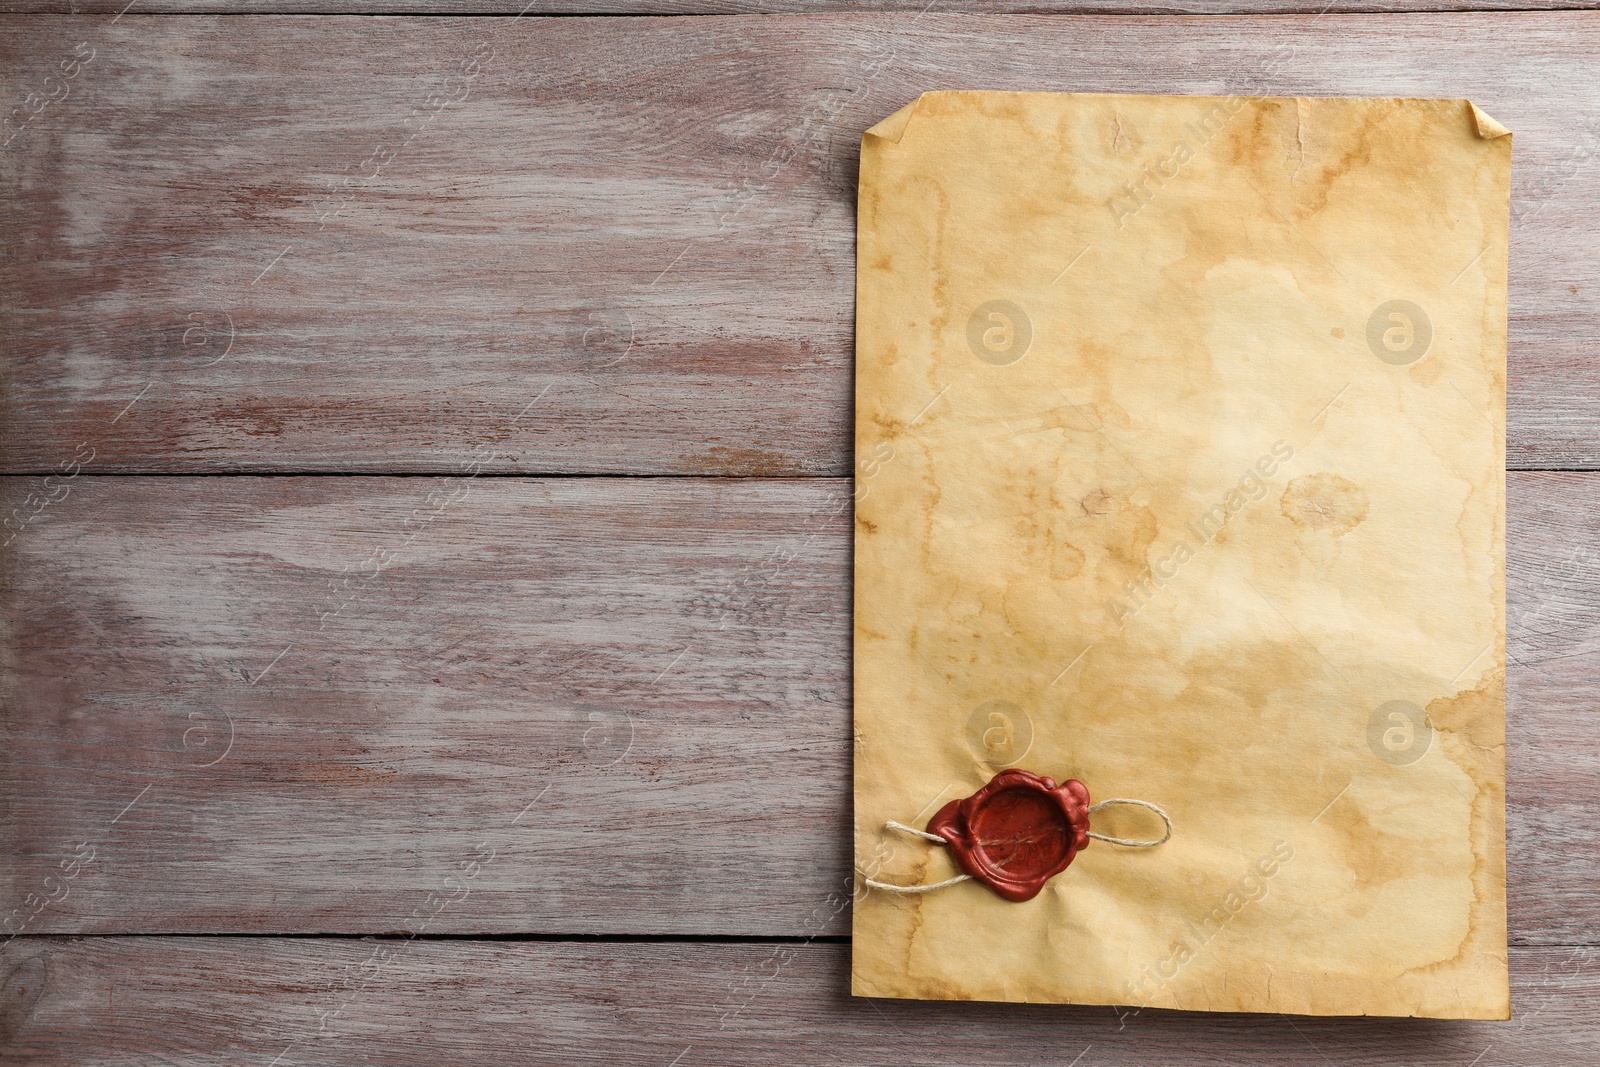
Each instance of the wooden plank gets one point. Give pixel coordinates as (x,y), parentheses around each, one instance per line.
(233,1001)
(553,644)
(647,222)
(296,705)
(106,8)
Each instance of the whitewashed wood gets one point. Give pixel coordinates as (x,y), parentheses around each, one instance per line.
(688,182)
(372,758)
(448,694)
(208,1001)
(110,8)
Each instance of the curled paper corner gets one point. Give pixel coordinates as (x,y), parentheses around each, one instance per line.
(893,128)
(1488,129)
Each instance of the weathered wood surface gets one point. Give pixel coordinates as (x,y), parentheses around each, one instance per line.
(659,667)
(602,706)
(407,229)
(553,644)
(110,8)
(116,1001)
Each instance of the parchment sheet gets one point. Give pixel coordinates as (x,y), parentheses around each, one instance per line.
(1180,453)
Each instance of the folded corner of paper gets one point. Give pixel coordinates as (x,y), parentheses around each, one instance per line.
(1488,129)
(893,128)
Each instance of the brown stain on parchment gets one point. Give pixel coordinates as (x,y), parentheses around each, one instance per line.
(934,220)
(1366,849)
(1325,502)
(1243,679)
(1251,138)
(1471,727)
(1304,189)
(1313,194)
(1098,501)
(1065,559)
(1130,533)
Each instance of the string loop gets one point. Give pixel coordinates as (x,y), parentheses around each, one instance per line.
(891,887)
(914,832)
(1166,820)
(903,828)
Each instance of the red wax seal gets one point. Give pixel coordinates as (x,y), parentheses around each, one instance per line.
(1017,832)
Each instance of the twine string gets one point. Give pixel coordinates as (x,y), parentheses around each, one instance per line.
(903,828)
(936,839)
(891,887)
(1165,818)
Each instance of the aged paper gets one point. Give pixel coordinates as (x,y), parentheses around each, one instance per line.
(1180,470)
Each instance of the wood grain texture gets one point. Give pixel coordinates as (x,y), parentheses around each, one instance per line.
(209,1001)
(652,219)
(109,8)
(553,644)
(659,667)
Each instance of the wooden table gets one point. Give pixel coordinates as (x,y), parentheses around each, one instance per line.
(427,605)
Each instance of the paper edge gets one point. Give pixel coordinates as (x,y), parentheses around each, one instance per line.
(893,127)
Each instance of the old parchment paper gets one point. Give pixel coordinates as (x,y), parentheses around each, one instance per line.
(1180,453)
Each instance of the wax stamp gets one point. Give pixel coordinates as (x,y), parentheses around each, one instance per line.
(1017,832)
